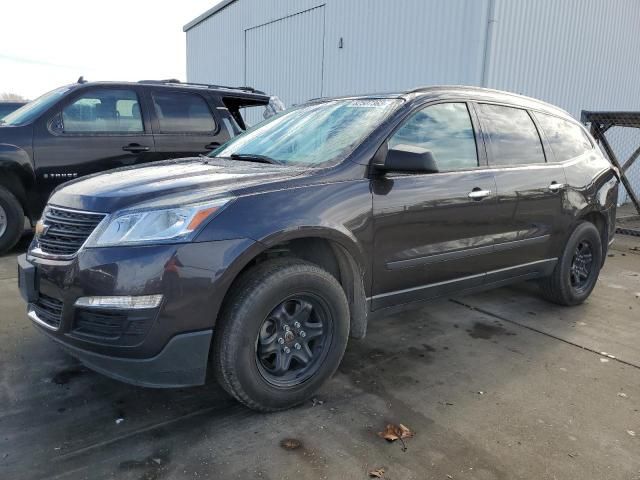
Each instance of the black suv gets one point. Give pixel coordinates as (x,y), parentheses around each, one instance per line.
(7,107)
(86,128)
(260,261)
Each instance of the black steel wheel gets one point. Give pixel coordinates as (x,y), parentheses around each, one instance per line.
(576,272)
(281,334)
(11,220)
(581,266)
(294,340)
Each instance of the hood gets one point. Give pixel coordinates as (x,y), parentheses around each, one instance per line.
(173,182)
(20,136)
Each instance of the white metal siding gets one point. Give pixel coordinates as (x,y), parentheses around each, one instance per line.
(285,56)
(215,47)
(577,54)
(397,45)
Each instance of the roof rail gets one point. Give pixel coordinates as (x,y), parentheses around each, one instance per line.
(174,81)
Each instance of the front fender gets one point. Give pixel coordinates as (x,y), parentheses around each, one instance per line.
(339,212)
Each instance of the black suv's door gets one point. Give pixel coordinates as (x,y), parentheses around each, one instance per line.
(184,123)
(530,192)
(96,129)
(434,233)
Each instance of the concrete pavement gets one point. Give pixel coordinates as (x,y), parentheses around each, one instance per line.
(498,385)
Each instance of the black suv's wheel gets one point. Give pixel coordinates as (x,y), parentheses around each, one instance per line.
(281,334)
(11,220)
(576,272)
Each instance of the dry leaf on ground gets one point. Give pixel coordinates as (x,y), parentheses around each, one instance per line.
(290,444)
(396,432)
(377,473)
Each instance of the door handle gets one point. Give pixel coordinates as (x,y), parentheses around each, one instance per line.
(135,148)
(212,145)
(555,186)
(478,194)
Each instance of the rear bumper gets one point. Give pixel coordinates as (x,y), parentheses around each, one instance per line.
(181,363)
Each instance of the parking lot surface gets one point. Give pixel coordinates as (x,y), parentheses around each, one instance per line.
(498,385)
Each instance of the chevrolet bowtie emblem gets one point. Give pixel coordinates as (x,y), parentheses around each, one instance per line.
(41,228)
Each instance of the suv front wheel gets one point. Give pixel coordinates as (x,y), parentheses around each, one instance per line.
(576,272)
(281,335)
(11,220)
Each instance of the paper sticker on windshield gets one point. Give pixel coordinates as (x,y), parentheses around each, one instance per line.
(370,102)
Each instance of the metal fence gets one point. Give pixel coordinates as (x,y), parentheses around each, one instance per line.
(618,134)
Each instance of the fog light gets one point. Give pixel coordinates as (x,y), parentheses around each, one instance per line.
(125,302)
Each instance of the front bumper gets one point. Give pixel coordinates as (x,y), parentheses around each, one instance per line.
(167,346)
(181,363)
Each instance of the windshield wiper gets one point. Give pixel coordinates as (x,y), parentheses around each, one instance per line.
(254,157)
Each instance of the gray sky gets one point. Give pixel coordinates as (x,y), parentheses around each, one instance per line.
(48,43)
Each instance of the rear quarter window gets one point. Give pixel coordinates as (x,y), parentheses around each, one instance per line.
(183,112)
(567,140)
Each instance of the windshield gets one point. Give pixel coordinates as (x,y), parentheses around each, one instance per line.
(315,135)
(32,110)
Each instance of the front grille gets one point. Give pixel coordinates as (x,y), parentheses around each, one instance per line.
(49,310)
(67,230)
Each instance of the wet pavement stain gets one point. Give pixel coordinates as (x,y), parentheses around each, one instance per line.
(487,331)
(65,376)
(154,465)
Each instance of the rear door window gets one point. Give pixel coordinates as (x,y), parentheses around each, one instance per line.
(567,139)
(103,111)
(182,112)
(513,137)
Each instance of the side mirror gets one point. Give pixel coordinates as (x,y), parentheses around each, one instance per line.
(409,158)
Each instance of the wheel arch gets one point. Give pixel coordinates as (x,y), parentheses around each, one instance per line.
(601,222)
(333,251)
(16,173)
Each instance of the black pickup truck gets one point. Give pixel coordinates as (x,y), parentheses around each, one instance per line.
(88,127)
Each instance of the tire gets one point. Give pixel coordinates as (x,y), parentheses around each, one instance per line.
(248,356)
(567,286)
(11,220)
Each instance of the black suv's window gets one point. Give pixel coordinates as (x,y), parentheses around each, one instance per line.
(180,112)
(103,111)
(33,109)
(567,140)
(513,137)
(446,130)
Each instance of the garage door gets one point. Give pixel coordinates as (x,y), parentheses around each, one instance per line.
(285,57)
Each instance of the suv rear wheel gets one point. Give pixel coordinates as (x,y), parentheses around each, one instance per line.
(11,220)
(281,335)
(576,272)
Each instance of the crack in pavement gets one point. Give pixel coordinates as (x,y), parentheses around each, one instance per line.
(550,335)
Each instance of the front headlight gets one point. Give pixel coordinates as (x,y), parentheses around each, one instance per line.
(145,226)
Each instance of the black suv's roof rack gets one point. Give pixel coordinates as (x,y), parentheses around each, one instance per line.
(174,81)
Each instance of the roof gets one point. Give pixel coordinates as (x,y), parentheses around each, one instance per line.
(470,93)
(212,11)
(240,92)
(489,94)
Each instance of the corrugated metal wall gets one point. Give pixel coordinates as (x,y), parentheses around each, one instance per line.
(216,47)
(578,54)
(296,72)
